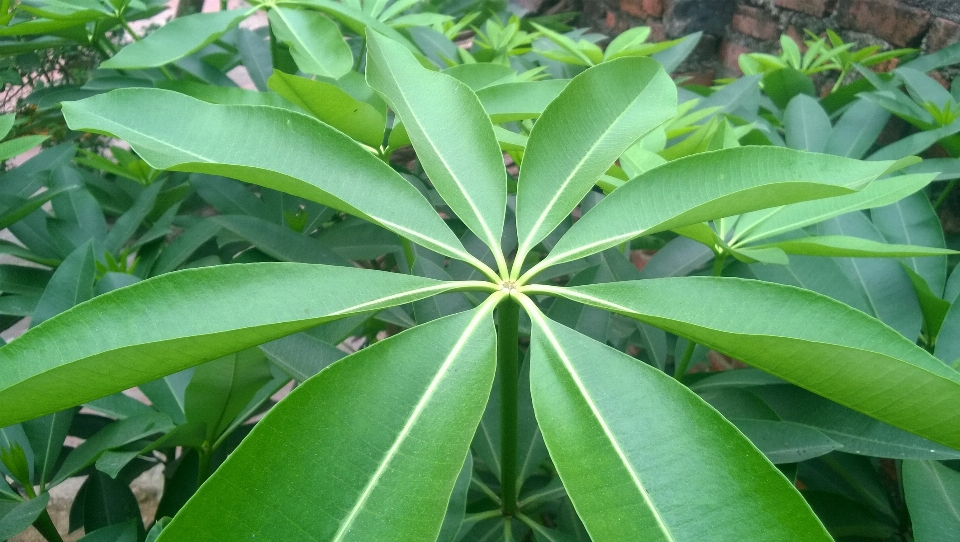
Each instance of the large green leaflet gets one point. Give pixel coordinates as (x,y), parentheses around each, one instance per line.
(770,222)
(183,319)
(178,38)
(451,133)
(271,147)
(932,491)
(356,480)
(314,40)
(802,337)
(711,185)
(638,452)
(599,114)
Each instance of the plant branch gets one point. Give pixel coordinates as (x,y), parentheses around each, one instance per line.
(508,319)
(45,526)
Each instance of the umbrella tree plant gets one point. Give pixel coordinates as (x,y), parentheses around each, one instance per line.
(371,447)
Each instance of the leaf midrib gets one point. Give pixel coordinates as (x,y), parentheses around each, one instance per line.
(634,476)
(414,417)
(478,216)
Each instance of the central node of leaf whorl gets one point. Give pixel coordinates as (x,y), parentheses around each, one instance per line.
(508,286)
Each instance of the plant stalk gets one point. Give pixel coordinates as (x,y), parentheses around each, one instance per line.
(45,526)
(508,320)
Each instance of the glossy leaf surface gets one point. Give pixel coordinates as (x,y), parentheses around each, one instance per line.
(314,41)
(451,133)
(110,352)
(176,39)
(351,473)
(265,146)
(599,114)
(802,337)
(711,185)
(630,442)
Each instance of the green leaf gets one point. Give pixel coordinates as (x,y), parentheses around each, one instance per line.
(855,247)
(115,435)
(71,283)
(20,145)
(453,520)
(913,221)
(513,101)
(225,95)
(361,185)
(416,448)
(708,186)
(46,436)
(629,441)
(221,388)
(608,107)
(314,41)
(762,224)
(948,340)
(356,20)
(784,84)
(6,124)
(806,125)
(278,299)
(857,433)
(301,355)
(786,442)
(176,39)
(17,208)
(932,492)
(889,291)
(16,517)
(857,130)
(332,105)
(801,337)
(451,133)
(279,241)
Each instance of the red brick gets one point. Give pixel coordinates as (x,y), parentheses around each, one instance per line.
(943,32)
(729,54)
(817,8)
(642,8)
(611,19)
(657,32)
(755,22)
(887,19)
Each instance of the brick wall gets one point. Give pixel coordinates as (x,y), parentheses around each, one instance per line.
(733,27)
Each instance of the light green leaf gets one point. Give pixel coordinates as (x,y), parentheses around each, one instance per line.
(108,350)
(314,41)
(332,105)
(20,145)
(913,221)
(6,124)
(630,442)
(708,186)
(801,337)
(176,39)
(264,145)
(221,388)
(349,472)
(451,133)
(932,492)
(515,101)
(855,247)
(46,436)
(768,223)
(599,114)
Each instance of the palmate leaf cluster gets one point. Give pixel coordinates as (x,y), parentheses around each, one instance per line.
(448,430)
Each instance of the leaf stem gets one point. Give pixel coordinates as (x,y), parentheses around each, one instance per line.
(685,361)
(45,526)
(946,192)
(508,320)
